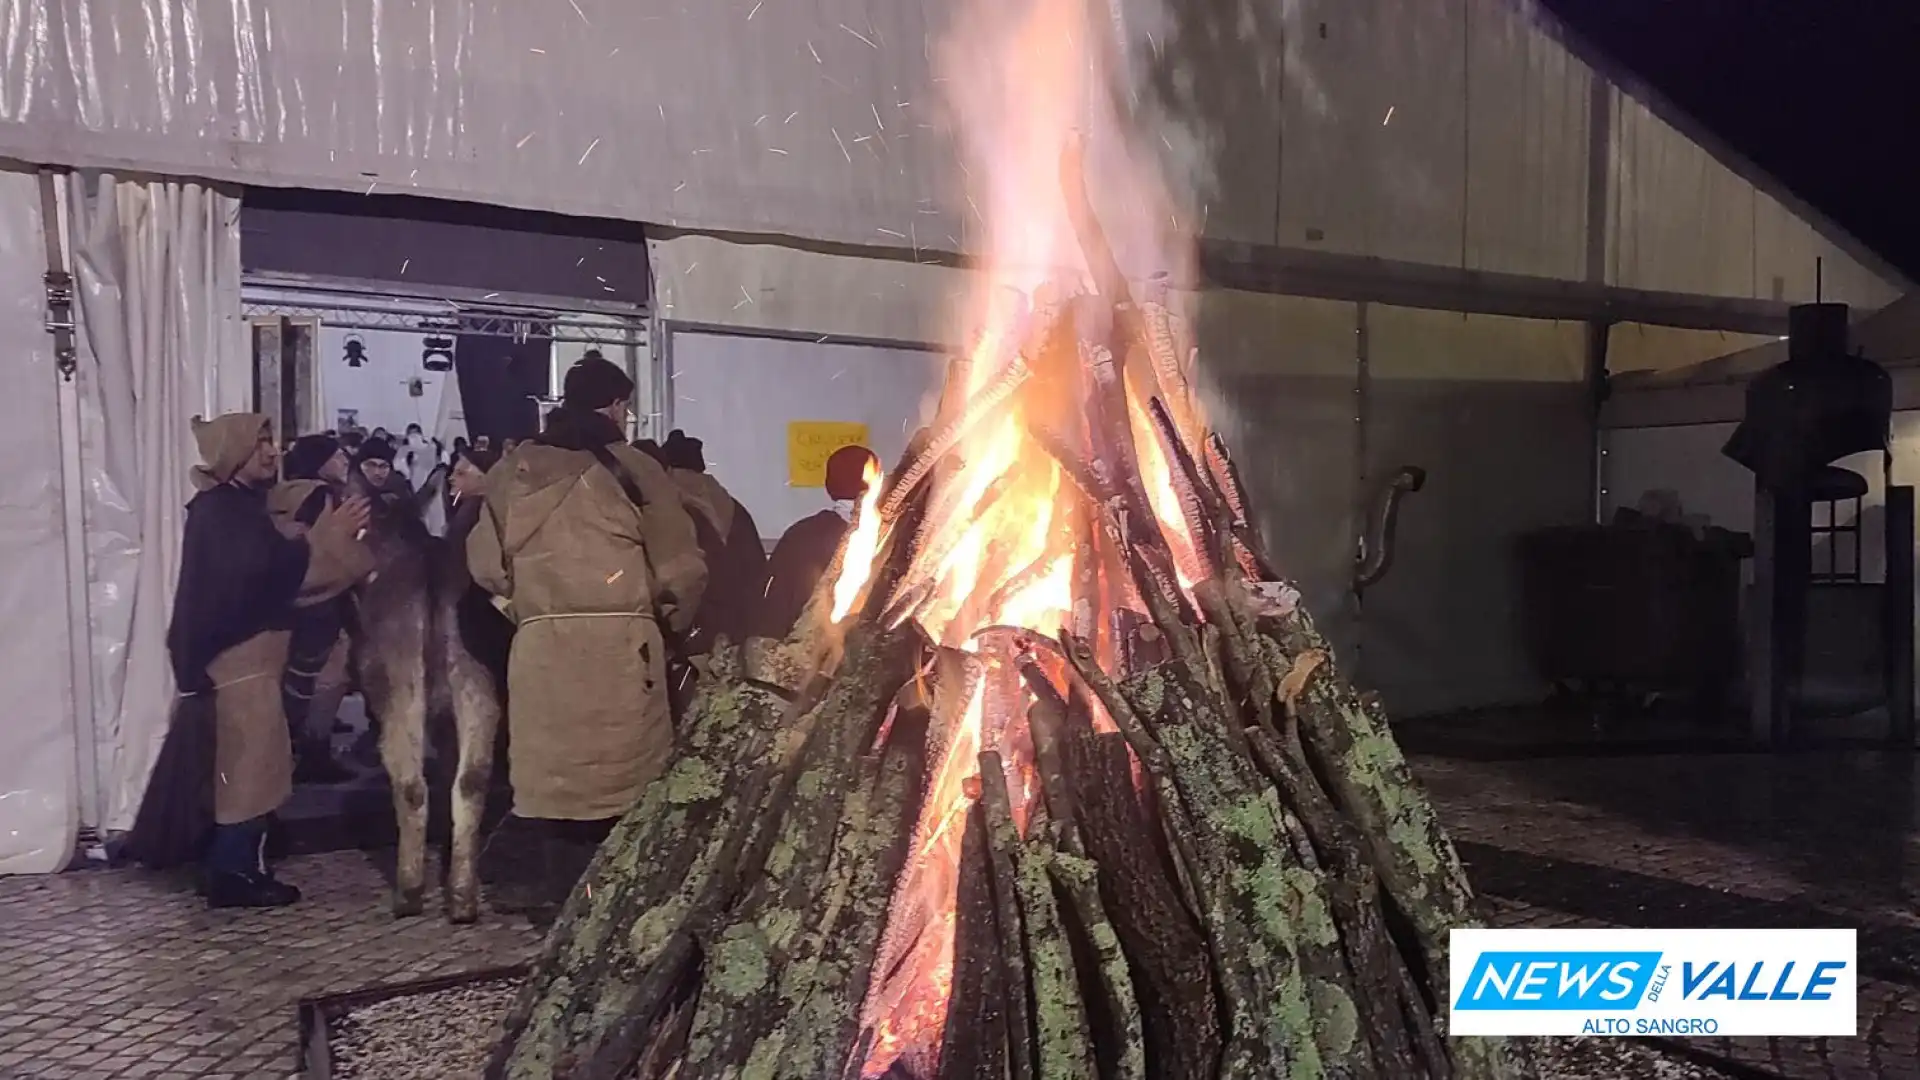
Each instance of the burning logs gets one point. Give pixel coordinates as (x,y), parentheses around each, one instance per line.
(1056,780)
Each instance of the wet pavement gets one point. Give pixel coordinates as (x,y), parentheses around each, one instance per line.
(117,973)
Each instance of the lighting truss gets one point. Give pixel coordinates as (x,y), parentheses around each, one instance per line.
(518,325)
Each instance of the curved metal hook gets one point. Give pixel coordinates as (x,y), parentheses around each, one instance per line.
(1375,556)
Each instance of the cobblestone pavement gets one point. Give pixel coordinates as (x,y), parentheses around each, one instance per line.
(118,973)
(1728,840)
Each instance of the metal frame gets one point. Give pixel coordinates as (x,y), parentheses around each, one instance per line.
(461,311)
(665,330)
(313,1014)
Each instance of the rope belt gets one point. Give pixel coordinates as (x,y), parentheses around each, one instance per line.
(531,619)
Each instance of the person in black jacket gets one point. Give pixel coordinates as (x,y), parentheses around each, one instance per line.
(240,579)
(729,539)
(807,548)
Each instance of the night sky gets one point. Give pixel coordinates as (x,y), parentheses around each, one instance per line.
(1824,95)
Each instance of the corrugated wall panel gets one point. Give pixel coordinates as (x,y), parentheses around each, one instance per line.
(1280,376)
(1527,140)
(1494,409)
(1680,221)
(1373,138)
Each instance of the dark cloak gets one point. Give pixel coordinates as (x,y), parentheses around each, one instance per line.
(238,578)
(795,568)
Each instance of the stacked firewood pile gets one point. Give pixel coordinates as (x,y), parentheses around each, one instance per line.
(1180,845)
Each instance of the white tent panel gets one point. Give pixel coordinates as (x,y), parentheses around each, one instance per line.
(1683,222)
(713,282)
(739,392)
(39,795)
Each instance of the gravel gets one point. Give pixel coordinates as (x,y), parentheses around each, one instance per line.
(445,1034)
(438,1035)
(1615,1059)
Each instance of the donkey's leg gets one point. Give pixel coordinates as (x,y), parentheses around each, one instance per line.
(403,736)
(476,717)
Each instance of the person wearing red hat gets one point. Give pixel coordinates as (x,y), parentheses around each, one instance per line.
(807,548)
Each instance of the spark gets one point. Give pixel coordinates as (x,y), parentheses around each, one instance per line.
(745,293)
(404,263)
(679,185)
(862,138)
(1389,118)
(662,108)
(814,51)
(762,120)
(691,267)
(876,116)
(599,279)
(890,232)
(755,11)
(590,146)
(541,52)
(614,53)
(1168,143)
(836,374)
(524,139)
(790,116)
(859,35)
(776,150)
(577,11)
(490,296)
(836,138)
(371,186)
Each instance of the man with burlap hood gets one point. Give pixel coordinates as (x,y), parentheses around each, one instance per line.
(729,540)
(592,548)
(240,581)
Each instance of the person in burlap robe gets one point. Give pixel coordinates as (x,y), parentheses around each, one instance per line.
(591,549)
(240,580)
(729,539)
(313,477)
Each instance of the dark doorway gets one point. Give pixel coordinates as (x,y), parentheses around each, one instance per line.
(499,379)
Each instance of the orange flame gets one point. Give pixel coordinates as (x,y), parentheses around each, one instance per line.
(1025,79)
(862,546)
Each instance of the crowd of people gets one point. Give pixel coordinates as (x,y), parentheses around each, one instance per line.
(611,567)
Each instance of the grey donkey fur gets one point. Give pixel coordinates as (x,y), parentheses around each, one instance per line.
(415,666)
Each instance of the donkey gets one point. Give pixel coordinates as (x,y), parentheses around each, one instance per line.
(415,665)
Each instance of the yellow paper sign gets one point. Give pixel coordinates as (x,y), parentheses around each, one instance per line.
(811,442)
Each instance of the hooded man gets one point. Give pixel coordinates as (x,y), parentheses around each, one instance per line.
(313,474)
(807,548)
(240,579)
(729,540)
(591,546)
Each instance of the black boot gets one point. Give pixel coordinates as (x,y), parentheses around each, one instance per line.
(237,875)
(230,890)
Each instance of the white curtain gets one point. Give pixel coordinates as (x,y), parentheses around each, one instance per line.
(157,269)
(39,800)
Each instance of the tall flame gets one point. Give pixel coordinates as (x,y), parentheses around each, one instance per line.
(1025,80)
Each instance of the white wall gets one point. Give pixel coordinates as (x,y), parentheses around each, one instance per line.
(737,393)
(380,391)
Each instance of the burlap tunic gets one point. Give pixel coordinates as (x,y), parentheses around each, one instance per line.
(589,577)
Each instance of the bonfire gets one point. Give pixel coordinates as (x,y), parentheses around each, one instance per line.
(1055,778)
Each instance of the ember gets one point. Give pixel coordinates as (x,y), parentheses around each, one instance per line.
(1056,777)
